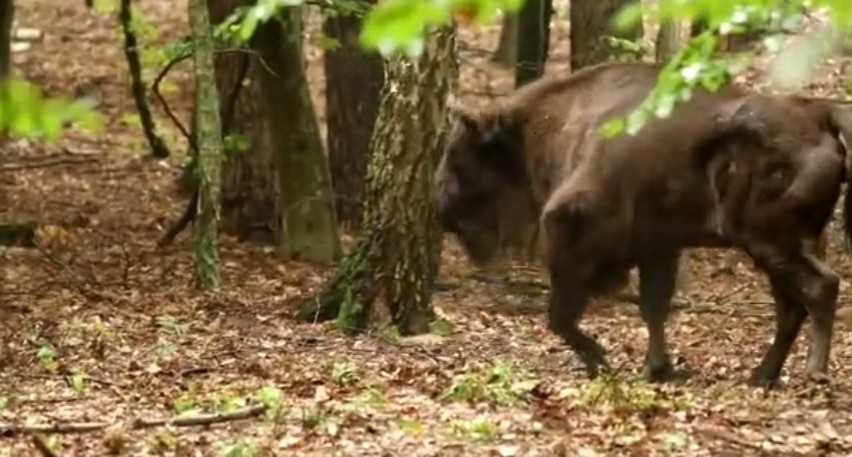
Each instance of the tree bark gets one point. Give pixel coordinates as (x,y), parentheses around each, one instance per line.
(353,83)
(507,46)
(533,38)
(209,149)
(137,85)
(308,218)
(590,24)
(7,17)
(668,41)
(387,279)
(250,179)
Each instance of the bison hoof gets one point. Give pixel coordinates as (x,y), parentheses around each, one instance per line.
(759,378)
(820,378)
(665,372)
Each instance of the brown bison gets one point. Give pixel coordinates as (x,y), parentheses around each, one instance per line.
(727,169)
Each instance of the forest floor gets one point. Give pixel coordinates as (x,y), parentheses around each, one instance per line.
(100,326)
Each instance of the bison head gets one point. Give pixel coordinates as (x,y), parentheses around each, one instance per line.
(481,182)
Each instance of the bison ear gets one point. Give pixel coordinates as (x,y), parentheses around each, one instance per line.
(502,142)
(468,119)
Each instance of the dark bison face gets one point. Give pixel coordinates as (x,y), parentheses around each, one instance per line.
(482,163)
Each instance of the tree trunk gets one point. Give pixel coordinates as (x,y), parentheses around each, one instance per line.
(590,24)
(7,17)
(209,149)
(137,85)
(387,279)
(353,83)
(697,27)
(507,47)
(668,41)
(250,180)
(533,39)
(308,218)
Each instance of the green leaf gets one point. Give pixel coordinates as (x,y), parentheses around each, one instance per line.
(612,127)
(628,16)
(635,121)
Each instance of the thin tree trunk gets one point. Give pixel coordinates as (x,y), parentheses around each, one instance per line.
(387,279)
(308,217)
(590,24)
(533,36)
(507,46)
(668,41)
(131,53)
(209,149)
(697,27)
(353,83)
(7,17)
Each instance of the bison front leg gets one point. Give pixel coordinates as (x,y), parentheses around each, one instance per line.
(657,280)
(568,301)
(572,243)
(801,285)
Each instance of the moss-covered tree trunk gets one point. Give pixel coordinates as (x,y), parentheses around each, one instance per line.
(308,229)
(591,23)
(209,148)
(7,17)
(387,279)
(353,83)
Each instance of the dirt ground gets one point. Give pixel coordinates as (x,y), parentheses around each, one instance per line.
(99,326)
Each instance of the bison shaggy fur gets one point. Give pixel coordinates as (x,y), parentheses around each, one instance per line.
(728,169)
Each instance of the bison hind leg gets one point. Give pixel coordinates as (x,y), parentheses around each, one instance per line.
(801,285)
(790,313)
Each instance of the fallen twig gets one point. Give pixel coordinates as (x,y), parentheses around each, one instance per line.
(54,428)
(202,419)
(138,424)
(732,438)
(47,163)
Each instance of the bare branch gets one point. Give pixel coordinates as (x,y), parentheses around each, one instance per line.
(202,419)
(46,163)
(9,429)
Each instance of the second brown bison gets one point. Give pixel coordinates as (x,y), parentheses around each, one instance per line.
(727,169)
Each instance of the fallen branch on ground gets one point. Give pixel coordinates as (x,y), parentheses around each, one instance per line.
(47,163)
(138,424)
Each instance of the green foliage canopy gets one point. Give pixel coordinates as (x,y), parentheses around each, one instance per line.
(398,25)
